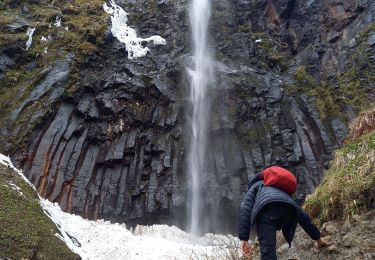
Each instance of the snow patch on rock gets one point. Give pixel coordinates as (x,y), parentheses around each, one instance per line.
(16,188)
(128,35)
(58,21)
(29,33)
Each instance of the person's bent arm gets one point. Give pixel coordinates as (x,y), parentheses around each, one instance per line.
(245,213)
(307,225)
(246,208)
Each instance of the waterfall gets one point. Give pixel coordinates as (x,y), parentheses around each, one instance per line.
(200,77)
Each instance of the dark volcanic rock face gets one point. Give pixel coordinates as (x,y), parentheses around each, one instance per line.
(115,147)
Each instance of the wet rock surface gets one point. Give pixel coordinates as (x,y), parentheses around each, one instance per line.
(116,146)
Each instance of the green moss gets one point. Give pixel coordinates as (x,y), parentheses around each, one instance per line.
(266,42)
(291,88)
(17,86)
(348,187)
(25,231)
(7,39)
(323,94)
(268,56)
(353,83)
(86,22)
(364,34)
(7,19)
(327,101)
(302,78)
(245,28)
(327,98)
(359,76)
(83,25)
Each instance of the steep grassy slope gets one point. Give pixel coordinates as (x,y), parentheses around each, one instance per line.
(26,232)
(348,187)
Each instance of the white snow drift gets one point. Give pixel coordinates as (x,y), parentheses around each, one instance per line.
(128,35)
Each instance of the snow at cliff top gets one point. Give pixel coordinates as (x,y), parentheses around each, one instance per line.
(101,240)
(128,35)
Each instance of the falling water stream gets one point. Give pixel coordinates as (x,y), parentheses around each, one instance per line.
(201,75)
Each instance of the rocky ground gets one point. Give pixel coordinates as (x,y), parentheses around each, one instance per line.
(351,239)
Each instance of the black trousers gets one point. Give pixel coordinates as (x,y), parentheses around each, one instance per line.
(272,217)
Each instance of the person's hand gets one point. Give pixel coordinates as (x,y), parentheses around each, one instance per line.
(246,249)
(321,243)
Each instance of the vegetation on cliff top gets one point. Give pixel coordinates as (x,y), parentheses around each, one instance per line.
(26,232)
(82,26)
(76,27)
(80,31)
(348,187)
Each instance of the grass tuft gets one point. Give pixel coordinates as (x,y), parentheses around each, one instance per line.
(363,124)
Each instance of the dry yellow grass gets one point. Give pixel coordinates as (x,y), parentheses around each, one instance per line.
(363,124)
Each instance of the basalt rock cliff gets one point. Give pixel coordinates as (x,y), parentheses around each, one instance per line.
(107,137)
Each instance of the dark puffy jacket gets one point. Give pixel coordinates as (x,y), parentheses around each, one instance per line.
(260,195)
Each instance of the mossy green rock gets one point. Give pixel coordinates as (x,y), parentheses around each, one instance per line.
(26,232)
